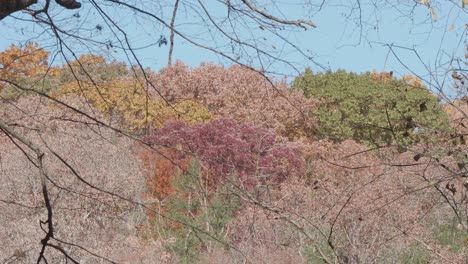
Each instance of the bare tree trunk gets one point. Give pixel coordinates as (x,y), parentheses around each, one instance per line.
(7,7)
(171,47)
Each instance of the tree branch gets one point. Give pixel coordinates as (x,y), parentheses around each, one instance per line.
(299,22)
(69,4)
(40,155)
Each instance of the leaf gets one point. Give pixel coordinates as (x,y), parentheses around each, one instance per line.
(432,183)
(434,14)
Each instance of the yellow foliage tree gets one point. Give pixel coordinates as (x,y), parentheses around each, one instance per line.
(189,111)
(113,91)
(123,99)
(25,66)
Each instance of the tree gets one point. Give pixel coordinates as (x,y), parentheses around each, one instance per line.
(376,109)
(211,166)
(25,66)
(224,148)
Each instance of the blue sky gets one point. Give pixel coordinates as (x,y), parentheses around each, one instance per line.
(346,37)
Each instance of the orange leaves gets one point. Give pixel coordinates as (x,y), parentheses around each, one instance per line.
(412,81)
(381,77)
(189,111)
(161,169)
(88,59)
(385,77)
(102,85)
(124,100)
(29,62)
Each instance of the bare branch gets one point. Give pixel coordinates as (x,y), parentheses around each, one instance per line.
(299,22)
(45,192)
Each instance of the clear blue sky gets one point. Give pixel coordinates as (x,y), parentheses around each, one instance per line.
(337,43)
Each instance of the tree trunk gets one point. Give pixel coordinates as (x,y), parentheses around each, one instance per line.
(7,7)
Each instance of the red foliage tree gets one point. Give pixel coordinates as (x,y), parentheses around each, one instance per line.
(226,148)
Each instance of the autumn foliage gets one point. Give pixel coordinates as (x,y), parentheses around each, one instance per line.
(25,66)
(30,61)
(229,164)
(122,97)
(226,149)
(240,94)
(161,169)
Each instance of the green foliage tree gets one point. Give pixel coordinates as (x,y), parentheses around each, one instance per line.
(372,108)
(204,212)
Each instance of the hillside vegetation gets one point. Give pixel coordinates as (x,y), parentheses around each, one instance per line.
(222,165)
